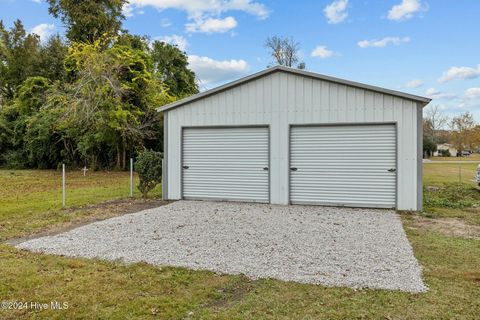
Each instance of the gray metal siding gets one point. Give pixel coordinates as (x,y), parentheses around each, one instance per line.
(280,100)
(303,73)
(228,163)
(345,165)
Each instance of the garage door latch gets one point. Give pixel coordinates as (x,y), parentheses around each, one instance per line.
(266,168)
(185,167)
(392,170)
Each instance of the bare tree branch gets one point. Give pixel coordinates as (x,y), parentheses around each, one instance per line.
(284,51)
(437,120)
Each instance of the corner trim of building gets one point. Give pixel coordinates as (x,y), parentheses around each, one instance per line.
(419,157)
(165,157)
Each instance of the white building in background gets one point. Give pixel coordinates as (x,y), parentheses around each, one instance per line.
(445,146)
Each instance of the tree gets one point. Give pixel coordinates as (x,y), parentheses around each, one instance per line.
(284,51)
(30,97)
(427,129)
(19,57)
(171,64)
(149,169)
(437,120)
(43,141)
(429,147)
(88,20)
(52,55)
(133,41)
(463,134)
(22,55)
(112,99)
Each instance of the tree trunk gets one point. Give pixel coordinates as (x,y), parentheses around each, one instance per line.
(124,156)
(119,158)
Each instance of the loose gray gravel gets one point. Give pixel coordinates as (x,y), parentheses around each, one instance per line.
(309,244)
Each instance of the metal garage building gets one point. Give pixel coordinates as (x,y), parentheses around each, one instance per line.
(286,136)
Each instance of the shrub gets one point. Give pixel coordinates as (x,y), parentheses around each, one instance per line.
(444,153)
(149,169)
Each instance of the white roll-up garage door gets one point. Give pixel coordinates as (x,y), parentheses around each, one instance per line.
(348,165)
(228,163)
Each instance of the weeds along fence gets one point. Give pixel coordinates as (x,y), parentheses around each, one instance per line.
(84,186)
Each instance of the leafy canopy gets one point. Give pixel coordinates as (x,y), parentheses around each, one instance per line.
(111,100)
(88,100)
(172,65)
(88,20)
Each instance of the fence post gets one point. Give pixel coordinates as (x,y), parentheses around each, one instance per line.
(460,172)
(63,185)
(131,177)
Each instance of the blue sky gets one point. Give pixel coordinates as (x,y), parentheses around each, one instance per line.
(429,48)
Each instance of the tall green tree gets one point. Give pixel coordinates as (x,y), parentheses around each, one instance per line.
(133,41)
(19,58)
(22,55)
(31,96)
(112,100)
(88,20)
(52,55)
(171,64)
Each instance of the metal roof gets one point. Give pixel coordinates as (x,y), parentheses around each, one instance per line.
(304,73)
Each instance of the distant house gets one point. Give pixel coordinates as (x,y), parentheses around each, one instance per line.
(442,148)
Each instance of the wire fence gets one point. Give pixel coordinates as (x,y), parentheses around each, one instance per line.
(84,186)
(451,171)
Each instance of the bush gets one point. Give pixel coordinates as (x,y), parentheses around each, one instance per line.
(149,169)
(15,159)
(444,153)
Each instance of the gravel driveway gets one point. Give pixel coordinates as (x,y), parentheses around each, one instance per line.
(308,244)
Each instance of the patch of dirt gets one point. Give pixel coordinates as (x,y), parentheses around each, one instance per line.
(447,226)
(92,213)
(231,295)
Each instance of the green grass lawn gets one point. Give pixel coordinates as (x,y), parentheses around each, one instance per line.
(96,289)
(473,157)
(438,173)
(458,194)
(32,200)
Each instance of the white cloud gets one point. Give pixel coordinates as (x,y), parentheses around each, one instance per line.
(415,83)
(433,93)
(211,71)
(405,10)
(174,39)
(460,73)
(203,14)
(381,43)
(212,25)
(472,93)
(201,9)
(37,1)
(336,11)
(43,30)
(165,23)
(471,98)
(322,52)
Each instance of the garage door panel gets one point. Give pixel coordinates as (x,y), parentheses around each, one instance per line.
(225,164)
(343,165)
